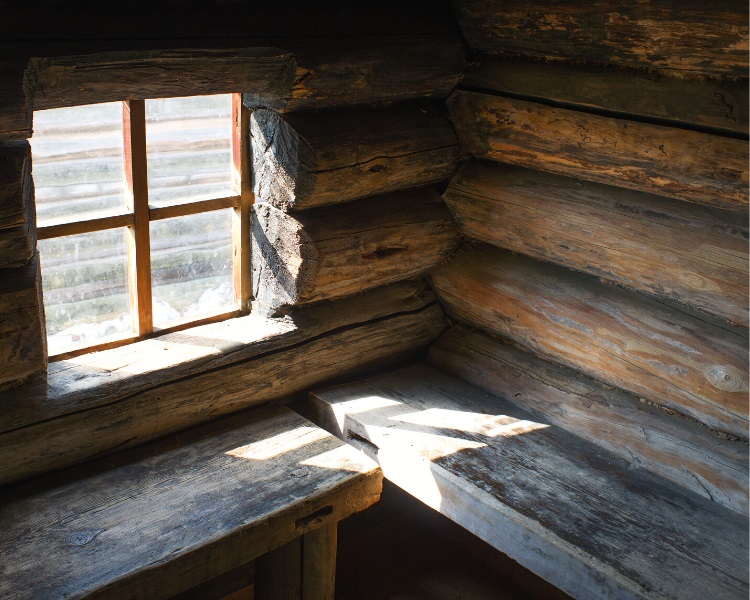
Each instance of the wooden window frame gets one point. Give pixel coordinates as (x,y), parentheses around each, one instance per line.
(140,215)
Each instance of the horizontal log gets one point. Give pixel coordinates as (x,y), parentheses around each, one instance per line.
(698,37)
(675,448)
(684,252)
(347,71)
(16,188)
(304,160)
(328,341)
(336,251)
(687,364)
(687,165)
(15,101)
(23,347)
(718,104)
(106,77)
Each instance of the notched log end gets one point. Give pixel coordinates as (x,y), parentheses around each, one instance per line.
(283,163)
(284,258)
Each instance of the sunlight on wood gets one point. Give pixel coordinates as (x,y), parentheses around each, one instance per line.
(489,425)
(338,458)
(280,444)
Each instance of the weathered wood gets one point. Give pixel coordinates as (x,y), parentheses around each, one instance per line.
(94,379)
(715,104)
(643,436)
(329,252)
(331,340)
(15,101)
(155,522)
(698,37)
(670,249)
(346,71)
(687,165)
(23,346)
(106,77)
(319,563)
(690,365)
(560,506)
(16,187)
(306,160)
(279,573)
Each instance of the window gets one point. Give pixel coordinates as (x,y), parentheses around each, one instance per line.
(142,221)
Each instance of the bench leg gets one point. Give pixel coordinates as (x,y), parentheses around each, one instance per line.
(319,563)
(303,569)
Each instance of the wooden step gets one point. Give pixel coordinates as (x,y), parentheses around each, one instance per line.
(159,520)
(558,505)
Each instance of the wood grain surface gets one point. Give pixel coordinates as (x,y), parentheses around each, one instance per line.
(641,435)
(684,252)
(697,37)
(688,364)
(306,160)
(678,163)
(330,252)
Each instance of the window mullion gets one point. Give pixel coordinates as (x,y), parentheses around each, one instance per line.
(241,215)
(139,245)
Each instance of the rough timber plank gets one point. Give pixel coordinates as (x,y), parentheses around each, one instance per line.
(688,364)
(698,37)
(687,165)
(345,71)
(71,80)
(315,345)
(311,159)
(558,505)
(23,347)
(173,514)
(15,101)
(675,448)
(713,103)
(666,248)
(16,188)
(334,251)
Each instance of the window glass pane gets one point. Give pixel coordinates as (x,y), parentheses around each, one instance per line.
(84,278)
(191,267)
(189,143)
(79,168)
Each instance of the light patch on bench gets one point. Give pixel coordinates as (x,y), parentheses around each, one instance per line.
(279,444)
(489,425)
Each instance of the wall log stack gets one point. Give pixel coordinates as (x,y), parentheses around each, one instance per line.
(329,341)
(23,348)
(684,252)
(673,447)
(687,364)
(687,165)
(306,160)
(336,251)
(698,37)
(716,104)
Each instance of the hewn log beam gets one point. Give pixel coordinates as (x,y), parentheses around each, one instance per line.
(619,337)
(17,210)
(15,101)
(719,104)
(336,251)
(322,342)
(687,165)
(696,37)
(23,347)
(670,249)
(345,71)
(306,160)
(673,447)
(71,80)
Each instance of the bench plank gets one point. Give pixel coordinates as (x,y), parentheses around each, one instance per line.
(557,504)
(174,514)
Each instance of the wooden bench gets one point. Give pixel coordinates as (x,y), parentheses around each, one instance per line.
(559,505)
(159,521)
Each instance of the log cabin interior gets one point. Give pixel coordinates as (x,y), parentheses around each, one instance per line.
(488,260)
